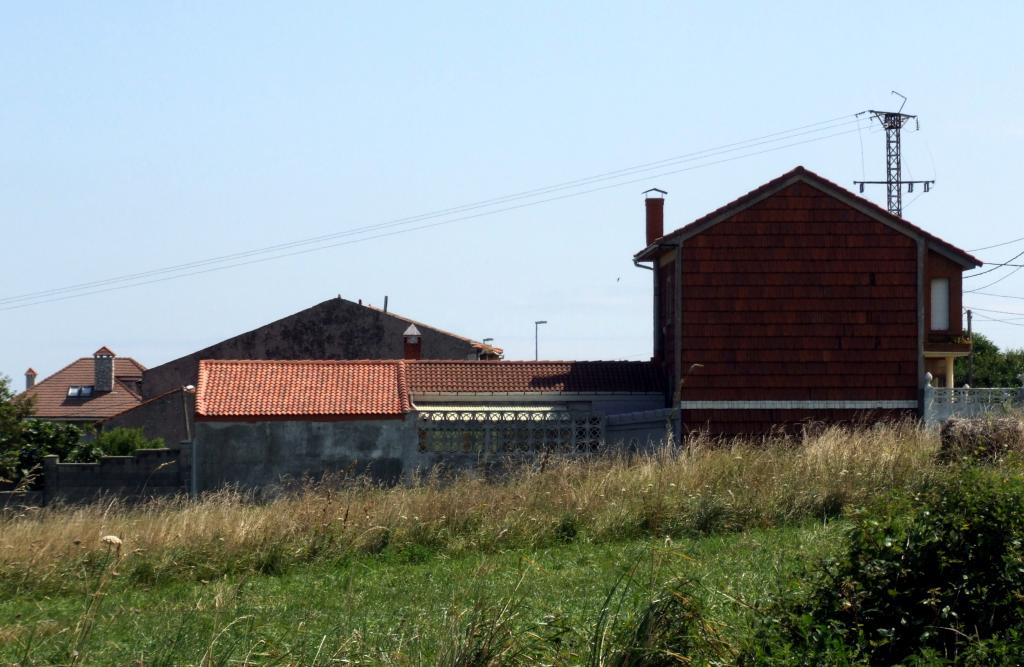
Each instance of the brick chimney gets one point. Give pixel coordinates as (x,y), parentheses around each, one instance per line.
(30,379)
(103,369)
(655,205)
(413,343)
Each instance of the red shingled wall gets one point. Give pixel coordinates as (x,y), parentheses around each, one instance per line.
(799,297)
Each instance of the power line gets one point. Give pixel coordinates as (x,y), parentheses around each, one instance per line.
(994,282)
(181,272)
(1000,312)
(785,135)
(996,266)
(994,319)
(1001,296)
(998,245)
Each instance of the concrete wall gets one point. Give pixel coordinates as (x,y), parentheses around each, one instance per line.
(334,329)
(640,430)
(263,454)
(169,416)
(147,473)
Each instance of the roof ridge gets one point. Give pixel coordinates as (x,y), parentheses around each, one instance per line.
(403,388)
(55,373)
(429,326)
(146,402)
(801,173)
(299,361)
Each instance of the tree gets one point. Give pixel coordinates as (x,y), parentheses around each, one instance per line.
(992,367)
(25,441)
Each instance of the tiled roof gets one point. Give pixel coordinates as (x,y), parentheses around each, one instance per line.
(803,174)
(324,389)
(51,394)
(431,376)
(279,389)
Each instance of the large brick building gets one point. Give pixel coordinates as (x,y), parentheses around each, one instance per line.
(801,300)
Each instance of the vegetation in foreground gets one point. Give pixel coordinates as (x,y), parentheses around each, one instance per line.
(24,441)
(752,553)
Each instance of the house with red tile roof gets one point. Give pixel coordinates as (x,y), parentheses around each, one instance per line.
(87,390)
(261,421)
(801,301)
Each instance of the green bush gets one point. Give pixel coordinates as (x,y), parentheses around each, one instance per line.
(123,441)
(21,454)
(938,577)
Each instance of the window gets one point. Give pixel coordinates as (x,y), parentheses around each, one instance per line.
(940,304)
(78,391)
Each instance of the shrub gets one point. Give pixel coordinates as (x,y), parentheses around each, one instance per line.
(987,439)
(123,441)
(21,455)
(924,578)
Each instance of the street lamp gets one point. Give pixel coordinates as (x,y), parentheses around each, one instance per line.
(536,326)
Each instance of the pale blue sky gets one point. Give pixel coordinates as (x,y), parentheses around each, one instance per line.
(137,135)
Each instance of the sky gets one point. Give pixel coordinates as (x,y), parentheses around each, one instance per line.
(136,136)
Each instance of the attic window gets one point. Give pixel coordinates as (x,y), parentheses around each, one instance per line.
(79,391)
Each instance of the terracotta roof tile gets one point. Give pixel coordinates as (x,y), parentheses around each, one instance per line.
(51,395)
(374,388)
(265,388)
(429,376)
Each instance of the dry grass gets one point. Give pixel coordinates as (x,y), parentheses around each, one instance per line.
(986,438)
(702,488)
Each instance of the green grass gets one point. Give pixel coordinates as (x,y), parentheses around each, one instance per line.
(409,606)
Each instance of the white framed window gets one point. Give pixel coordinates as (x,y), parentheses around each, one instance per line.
(940,304)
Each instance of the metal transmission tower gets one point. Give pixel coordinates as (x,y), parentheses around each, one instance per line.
(893,122)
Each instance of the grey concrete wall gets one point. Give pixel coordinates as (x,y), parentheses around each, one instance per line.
(615,404)
(267,454)
(147,473)
(639,430)
(169,417)
(334,329)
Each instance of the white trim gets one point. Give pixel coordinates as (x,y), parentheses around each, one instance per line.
(526,395)
(796,405)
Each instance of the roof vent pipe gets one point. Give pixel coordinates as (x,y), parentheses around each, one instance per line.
(655,205)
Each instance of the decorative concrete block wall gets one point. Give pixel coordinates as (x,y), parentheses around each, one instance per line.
(147,473)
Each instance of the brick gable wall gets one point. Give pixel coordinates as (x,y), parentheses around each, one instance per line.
(798,297)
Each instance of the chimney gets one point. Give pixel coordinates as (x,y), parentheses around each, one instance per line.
(413,343)
(655,204)
(103,369)
(30,379)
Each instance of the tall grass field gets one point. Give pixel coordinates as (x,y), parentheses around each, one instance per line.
(556,563)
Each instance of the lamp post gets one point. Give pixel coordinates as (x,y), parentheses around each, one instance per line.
(536,328)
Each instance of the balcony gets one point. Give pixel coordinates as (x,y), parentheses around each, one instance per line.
(942,343)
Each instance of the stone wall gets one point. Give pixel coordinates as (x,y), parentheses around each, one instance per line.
(147,473)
